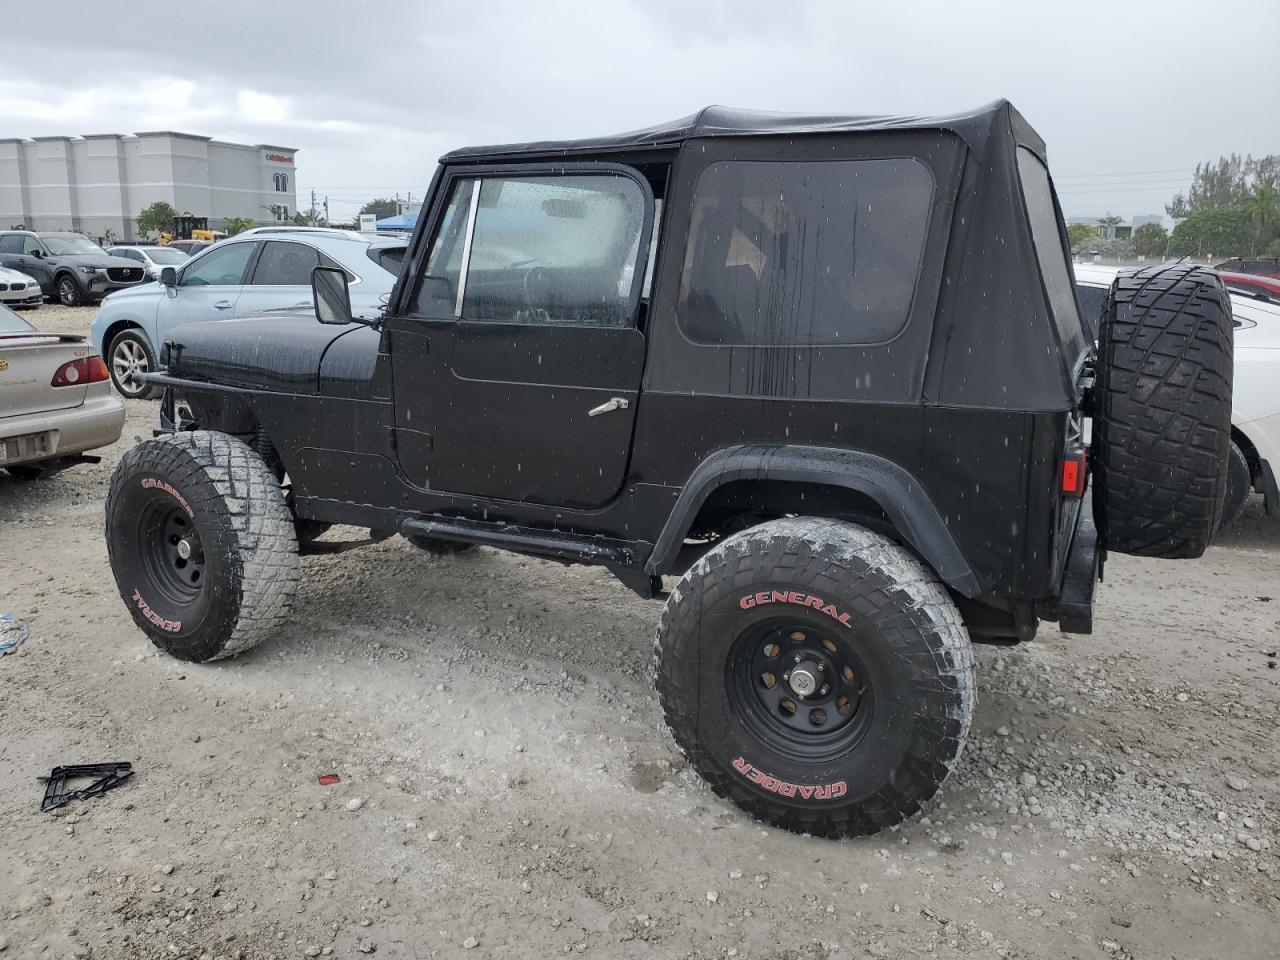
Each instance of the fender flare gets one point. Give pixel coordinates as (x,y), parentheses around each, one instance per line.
(897,492)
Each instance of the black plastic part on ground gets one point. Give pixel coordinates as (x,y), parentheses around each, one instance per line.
(109,775)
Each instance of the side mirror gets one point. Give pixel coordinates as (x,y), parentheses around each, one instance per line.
(169,276)
(38,253)
(332,298)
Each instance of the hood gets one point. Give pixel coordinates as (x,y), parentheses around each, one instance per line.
(280,352)
(15,276)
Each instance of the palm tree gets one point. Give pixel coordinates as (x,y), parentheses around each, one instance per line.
(1108,225)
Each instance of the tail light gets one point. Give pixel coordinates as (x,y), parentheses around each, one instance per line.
(1075,465)
(79,372)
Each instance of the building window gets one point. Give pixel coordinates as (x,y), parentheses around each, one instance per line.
(282,182)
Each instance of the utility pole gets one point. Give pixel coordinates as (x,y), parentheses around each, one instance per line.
(312,212)
(327,221)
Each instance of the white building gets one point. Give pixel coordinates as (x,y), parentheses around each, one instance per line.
(97,185)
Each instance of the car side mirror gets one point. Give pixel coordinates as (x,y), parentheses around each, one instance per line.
(169,276)
(38,254)
(332,297)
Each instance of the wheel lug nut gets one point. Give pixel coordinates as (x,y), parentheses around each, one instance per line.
(822,666)
(797,658)
(825,690)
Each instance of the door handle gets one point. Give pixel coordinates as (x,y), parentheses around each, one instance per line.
(222,305)
(617,403)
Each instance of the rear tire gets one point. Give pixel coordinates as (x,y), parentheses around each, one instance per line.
(1239,486)
(1163,420)
(201,544)
(816,674)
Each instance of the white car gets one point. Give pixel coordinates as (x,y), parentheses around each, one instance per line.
(153,258)
(19,290)
(1255,399)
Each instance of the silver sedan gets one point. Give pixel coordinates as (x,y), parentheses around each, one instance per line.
(55,399)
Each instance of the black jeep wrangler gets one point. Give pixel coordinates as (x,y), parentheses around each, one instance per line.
(820,382)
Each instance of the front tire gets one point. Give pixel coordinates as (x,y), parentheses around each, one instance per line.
(201,544)
(128,355)
(68,291)
(816,674)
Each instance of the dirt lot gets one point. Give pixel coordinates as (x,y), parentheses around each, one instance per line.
(1120,795)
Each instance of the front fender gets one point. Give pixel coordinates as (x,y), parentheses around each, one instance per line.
(897,492)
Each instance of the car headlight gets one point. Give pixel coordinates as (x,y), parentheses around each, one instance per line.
(84,269)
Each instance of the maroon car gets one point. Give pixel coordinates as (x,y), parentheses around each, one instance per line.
(1253,285)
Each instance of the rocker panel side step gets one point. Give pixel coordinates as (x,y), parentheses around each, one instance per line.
(543,543)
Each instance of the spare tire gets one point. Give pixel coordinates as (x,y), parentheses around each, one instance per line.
(1162,429)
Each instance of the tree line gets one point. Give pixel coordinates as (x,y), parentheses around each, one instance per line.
(1231,209)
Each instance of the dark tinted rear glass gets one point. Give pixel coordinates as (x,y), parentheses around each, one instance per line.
(1091,303)
(1051,252)
(813,253)
(388,258)
(284,263)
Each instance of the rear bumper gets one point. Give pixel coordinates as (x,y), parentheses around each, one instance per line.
(1084,570)
(97,422)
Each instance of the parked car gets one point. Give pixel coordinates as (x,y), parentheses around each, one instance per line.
(240,276)
(55,399)
(68,266)
(1254,462)
(153,258)
(845,412)
(19,290)
(1253,285)
(191,247)
(1256,266)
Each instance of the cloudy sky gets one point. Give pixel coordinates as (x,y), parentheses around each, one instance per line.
(1128,94)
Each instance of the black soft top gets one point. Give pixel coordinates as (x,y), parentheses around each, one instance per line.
(973,126)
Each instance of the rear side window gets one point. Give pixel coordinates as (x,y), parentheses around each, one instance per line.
(11,244)
(1051,251)
(815,253)
(284,263)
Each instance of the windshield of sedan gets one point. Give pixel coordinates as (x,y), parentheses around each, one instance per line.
(10,322)
(71,246)
(167,255)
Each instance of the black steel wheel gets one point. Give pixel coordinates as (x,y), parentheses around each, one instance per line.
(800,684)
(68,291)
(816,674)
(201,544)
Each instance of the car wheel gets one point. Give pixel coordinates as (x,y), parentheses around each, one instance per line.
(1163,411)
(68,291)
(816,674)
(128,356)
(439,548)
(201,544)
(1239,486)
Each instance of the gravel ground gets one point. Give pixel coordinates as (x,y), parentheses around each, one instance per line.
(508,789)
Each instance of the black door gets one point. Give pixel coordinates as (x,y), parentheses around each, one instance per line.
(517,362)
(26,254)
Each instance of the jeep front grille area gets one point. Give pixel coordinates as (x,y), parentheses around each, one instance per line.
(124,274)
